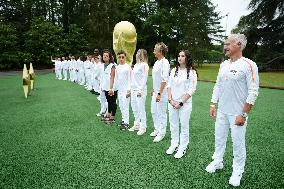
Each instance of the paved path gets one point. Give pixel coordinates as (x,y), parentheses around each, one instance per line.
(13,73)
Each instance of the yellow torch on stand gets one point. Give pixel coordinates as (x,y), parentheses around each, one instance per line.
(26,81)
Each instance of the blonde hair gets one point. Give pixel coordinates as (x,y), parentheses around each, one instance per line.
(141,56)
(162,48)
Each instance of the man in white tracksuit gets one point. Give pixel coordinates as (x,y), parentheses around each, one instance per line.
(122,84)
(102,97)
(181,87)
(235,91)
(160,75)
(81,72)
(95,69)
(87,67)
(64,68)
(139,91)
(60,67)
(73,72)
(70,68)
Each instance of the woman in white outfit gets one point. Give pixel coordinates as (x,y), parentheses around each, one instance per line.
(181,86)
(159,93)
(139,91)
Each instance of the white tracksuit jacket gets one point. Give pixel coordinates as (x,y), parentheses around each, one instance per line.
(122,84)
(237,83)
(181,85)
(139,85)
(160,73)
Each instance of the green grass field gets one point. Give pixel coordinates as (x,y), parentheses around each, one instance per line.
(272,79)
(54,140)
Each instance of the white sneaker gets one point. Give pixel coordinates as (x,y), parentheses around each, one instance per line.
(213,156)
(158,138)
(213,166)
(134,128)
(141,131)
(154,133)
(179,154)
(235,179)
(171,150)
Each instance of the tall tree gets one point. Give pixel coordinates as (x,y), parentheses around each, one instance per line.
(264,28)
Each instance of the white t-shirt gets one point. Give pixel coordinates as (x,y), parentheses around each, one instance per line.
(139,77)
(237,83)
(160,73)
(181,85)
(122,77)
(106,75)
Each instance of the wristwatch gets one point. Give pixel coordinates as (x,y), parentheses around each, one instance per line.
(159,93)
(170,100)
(181,103)
(244,115)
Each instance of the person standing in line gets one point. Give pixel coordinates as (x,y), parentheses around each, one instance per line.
(159,93)
(87,67)
(181,87)
(64,68)
(108,86)
(70,68)
(102,97)
(95,75)
(235,91)
(122,84)
(139,91)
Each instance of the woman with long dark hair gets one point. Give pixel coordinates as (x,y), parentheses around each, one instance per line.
(108,85)
(181,87)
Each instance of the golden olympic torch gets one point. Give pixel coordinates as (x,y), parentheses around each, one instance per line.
(32,76)
(125,38)
(26,81)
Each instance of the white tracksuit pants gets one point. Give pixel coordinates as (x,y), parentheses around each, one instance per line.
(81,77)
(95,84)
(103,102)
(138,108)
(222,125)
(88,80)
(65,74)
(60,74)
(180,137)
(159,113)
(75,74)
(57,73)
(123,104)
(70,75)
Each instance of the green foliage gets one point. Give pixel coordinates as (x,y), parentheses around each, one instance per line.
(43,40)
(8,46)
(264,28)
(59,27)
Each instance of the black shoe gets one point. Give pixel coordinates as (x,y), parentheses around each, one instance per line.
(121,123)
(96,93)
(124,126)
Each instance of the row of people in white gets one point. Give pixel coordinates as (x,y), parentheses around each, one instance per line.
(83,72)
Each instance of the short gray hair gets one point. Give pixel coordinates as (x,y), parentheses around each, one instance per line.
(239,38)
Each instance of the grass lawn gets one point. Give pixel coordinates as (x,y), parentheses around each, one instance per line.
(54,140)
(274,79)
